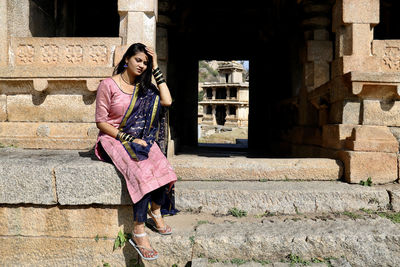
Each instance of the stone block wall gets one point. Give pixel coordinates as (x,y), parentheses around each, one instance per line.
(351,113)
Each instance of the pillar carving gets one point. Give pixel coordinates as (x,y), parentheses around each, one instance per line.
(228,93)
(213,93)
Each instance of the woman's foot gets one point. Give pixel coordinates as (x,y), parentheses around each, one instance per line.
(142,244)
(158,223)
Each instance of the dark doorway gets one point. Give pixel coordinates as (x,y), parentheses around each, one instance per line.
(268,33)
(74,18)
(220,115)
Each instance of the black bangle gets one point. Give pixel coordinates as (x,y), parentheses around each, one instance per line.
(121,136)
(160,81)
(156,70)
(118,137)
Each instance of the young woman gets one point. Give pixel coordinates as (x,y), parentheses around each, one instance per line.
(130,119)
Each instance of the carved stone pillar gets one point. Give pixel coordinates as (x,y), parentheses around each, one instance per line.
(213,93)
(138,21)
(228,93)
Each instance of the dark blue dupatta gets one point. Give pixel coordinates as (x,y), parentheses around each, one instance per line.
(142,120)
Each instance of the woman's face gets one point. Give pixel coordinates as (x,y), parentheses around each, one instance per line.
(137,64)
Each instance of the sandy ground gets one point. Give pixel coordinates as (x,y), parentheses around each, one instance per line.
(228,137)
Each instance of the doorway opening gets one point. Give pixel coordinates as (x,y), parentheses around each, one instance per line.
(223,103)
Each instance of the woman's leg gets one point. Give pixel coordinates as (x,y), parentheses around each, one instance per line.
(140,216)
(157,200)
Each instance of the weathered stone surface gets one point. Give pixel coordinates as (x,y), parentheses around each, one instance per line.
(372,138)
(17,14)
(348,64)
(317,73)
(281,197)
(48,251)
(380,239)
(359,166)
(394,191)
(85,181)
(319,51)
(56,221)
(361,11)
(55,129)
(321,35)
(396,132)
(50,71)
(3,33)
(49,143)
(345,112)
(377,113)
(26,179)
(52,108)
(138,5)
(3,107)
(48,135)
(190,167)
(138,27)
(334,135)
(362,37)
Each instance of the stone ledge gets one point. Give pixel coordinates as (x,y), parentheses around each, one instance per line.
(48,177)
(191,167)
(279,197)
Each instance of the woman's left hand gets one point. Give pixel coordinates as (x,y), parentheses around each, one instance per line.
(152,53)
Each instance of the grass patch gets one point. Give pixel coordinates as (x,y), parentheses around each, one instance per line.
(352,215)
(239,261)
(262,262)
(368,211)
(368,182)
(202,222)
(394,217)
(235,212)
(296,259)
(191,240)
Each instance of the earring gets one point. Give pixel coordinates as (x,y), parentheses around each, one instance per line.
(126,65)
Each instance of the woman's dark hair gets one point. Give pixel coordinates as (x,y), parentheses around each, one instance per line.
(145,79)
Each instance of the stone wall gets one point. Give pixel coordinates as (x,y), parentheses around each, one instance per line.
(348,103)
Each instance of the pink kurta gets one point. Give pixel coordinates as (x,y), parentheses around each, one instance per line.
(143,176)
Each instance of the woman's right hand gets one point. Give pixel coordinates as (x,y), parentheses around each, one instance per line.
(140,142)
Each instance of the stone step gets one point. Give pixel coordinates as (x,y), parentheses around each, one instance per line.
(240,168)
(364,240)
(359,238)
(280,197)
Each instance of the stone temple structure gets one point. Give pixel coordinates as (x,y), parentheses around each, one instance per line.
(226,102)
(325,84)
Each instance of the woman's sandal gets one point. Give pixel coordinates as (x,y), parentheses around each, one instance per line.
(166,230)
(151,253)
